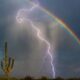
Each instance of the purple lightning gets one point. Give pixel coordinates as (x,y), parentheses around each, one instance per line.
(20,19)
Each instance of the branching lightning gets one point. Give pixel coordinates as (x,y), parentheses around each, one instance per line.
(20,18)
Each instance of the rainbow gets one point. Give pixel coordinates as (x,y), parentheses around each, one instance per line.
(60,21)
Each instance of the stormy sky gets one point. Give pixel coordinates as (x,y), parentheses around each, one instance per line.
(66,10)
(28,51)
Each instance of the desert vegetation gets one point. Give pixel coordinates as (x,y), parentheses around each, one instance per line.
(7,65)
(42,78)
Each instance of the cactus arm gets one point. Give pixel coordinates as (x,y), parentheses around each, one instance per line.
(9,62)
(12,63)
(2,65)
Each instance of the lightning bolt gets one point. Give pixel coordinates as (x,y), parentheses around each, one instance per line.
(20,18)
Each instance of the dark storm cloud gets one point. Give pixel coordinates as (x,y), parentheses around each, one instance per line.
(68,56)
(67,10)
(28,51)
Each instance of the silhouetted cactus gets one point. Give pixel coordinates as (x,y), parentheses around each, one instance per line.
(7,63)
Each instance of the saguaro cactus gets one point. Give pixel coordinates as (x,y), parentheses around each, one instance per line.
(7,63)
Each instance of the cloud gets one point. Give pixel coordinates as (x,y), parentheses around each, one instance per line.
(28,51)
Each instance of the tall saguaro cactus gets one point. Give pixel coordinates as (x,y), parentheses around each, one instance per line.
(7,63)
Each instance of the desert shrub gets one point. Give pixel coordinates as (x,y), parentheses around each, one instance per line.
(28,78)
(59,78)
(44,78)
